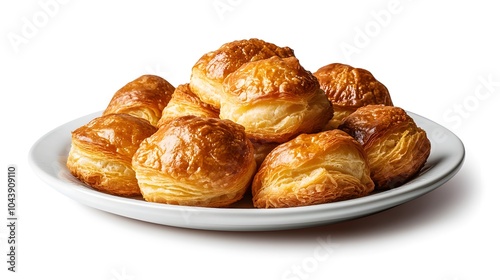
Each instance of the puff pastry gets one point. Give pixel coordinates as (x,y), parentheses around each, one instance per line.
(312,169)
(144,97)
(185,103)
(396,147)
(275,99)
(101,153)
(349,88)
(195,161)
(212,68)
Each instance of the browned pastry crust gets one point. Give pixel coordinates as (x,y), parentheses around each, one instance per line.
(144,97)
(195,161)
(349,88)
(275,100)
(185,103)
(312,169)
(396,147)
(101,152)
(213,67)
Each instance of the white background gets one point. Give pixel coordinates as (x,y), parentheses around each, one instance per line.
(62,60)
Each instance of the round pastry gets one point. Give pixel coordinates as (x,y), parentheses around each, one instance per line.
(195,161)
(185,103)
(101,152)
(396,147)
(212,68)
(349,88)
(275,100)
(312,169)
(144,97)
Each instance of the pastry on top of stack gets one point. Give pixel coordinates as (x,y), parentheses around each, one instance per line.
(275,99)
(264,88)
(212,68)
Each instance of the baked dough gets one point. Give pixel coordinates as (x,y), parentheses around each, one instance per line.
(212,68)
(312,169)
(101,153)
(349,88)
(185,103)
(195,161)
(275,99)
(144,97)
(396,147)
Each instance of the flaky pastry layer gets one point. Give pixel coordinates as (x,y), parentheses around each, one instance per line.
(195,161)
(212,68)
(349,88)
(144,97)
(101,152)
(185,103)
(275,100)
(312,169)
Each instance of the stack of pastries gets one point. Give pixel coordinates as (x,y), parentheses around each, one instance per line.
(251,121)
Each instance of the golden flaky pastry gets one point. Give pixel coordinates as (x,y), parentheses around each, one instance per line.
(312,169)
(396,147)
(144,97)
(101,152)
(262,149)
(349,88)
(195,161)
(185,103)
(212,68)
(275,99)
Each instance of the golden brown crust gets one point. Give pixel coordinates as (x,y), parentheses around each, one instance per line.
(349,88)
(312,169)
(275,100)
(195,161)
(144,97)
(101,152)
(396,147)
(213,67)
(185,103)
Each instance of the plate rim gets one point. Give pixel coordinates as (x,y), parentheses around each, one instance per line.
(253,218)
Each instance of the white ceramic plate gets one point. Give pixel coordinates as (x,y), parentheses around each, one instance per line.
(48,158)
